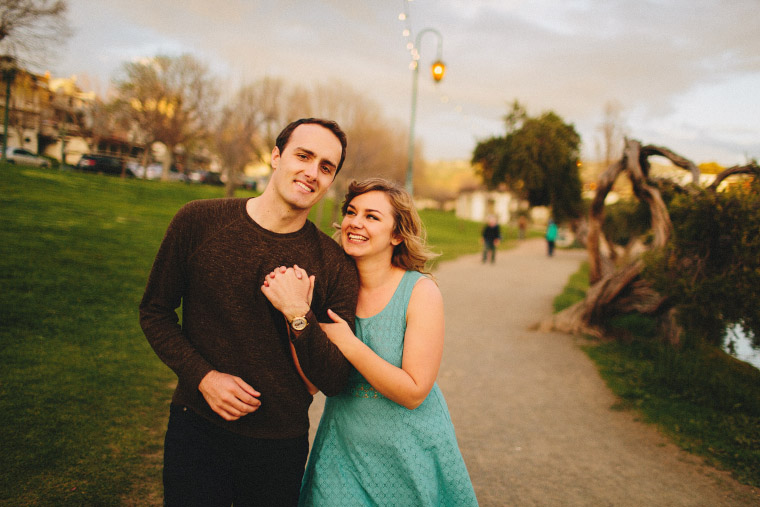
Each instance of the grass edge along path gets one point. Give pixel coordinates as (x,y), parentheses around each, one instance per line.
(83,398)
(705,400)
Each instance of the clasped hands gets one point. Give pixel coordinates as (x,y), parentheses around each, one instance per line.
(285,287)
(290,290)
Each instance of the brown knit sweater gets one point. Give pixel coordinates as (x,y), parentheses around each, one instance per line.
(213,261)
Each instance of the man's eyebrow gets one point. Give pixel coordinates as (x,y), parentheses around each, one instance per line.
(312,154)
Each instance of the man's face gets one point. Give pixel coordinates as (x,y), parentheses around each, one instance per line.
(305,169)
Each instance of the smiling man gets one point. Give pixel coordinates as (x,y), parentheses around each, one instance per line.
(238,423)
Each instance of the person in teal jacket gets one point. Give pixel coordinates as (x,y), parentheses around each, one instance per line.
(551,236)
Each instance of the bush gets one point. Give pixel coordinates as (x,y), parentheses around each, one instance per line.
(710,269)
(625,220)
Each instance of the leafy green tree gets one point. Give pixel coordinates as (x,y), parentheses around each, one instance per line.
(537,159)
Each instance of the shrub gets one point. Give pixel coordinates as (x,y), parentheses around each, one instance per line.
(710,269)
(625,220)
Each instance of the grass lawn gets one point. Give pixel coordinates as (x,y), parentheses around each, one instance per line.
(707,401)
(83,398)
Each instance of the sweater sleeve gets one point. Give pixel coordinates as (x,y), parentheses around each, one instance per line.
(163,295)
(321,361)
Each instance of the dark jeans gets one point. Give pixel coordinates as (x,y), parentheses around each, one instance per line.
(205,465)
(489,248)
(550,245)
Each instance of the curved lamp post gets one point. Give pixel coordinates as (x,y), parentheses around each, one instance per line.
(437,69)
(8,69)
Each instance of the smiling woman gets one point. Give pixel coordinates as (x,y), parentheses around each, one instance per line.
(368,227)
(387,438)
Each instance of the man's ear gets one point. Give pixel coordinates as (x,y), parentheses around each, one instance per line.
(275,158)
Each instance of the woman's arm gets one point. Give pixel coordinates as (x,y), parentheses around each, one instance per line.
(309,386)
(423,349)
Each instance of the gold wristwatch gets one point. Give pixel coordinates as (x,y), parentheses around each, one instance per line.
(299,323)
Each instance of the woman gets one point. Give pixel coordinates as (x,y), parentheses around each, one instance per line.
(388,438)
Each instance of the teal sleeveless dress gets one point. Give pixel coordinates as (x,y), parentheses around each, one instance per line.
(371,451)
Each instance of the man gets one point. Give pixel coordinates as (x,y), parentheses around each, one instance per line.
(490,238)
(238,424)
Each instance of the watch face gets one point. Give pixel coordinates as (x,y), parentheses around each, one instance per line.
(299,323)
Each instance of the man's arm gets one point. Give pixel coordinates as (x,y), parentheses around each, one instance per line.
(321,361)
(228,396)
(163,295)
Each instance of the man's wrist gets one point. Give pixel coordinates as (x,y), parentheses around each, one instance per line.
(298,325)
(299,311)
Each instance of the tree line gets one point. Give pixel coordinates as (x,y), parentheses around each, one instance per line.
(175,100)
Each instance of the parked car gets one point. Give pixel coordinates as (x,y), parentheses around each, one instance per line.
(152,172)
(206,177)
(105,164)
(24,157)
(155,171)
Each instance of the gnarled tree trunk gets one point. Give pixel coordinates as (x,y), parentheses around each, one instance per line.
(617,288)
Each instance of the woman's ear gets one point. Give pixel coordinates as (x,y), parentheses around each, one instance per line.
(396,240)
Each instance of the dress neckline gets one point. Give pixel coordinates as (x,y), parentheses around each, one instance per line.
(393,296)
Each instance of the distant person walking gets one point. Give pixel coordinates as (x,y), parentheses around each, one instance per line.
(551,236)
(490,238)
(522,225)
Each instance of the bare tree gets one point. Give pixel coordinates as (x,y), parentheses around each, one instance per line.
(170,99)
(375,146)
(99,120)
(29,29)
(612,131)
(249,123)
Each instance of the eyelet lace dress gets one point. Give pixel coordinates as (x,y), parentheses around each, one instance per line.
(370,450)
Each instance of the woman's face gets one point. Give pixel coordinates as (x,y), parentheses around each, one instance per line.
(367,228)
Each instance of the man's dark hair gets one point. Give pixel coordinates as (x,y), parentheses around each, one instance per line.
(284,137)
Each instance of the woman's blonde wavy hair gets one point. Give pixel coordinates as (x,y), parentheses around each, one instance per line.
(412,254)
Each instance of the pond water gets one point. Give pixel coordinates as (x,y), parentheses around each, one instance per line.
(743,348)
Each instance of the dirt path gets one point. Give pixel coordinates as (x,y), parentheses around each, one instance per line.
(533,417)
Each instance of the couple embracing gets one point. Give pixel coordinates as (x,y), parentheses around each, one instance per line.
(274,310)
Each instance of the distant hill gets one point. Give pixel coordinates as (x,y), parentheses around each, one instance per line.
(442,177)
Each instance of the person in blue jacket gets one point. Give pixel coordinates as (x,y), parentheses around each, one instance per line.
(551,236)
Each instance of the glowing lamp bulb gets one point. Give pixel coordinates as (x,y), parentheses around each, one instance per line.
(438,70)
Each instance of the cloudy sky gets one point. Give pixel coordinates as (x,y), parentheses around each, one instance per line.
(686,73)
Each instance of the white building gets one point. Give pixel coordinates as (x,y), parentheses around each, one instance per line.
(477,205)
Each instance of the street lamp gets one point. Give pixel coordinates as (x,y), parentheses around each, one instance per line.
(438,69)
(8,69)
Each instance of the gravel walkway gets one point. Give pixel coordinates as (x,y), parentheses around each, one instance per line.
(533,418)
